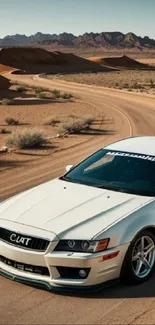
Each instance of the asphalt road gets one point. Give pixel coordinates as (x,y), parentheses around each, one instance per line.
(130,114)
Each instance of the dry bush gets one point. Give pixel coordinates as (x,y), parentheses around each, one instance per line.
(89,120)
(6,101)
(44,92)
(56,93)
(73,126)
(42,95)
(50,121)
(27,139)
(77,125)
(4,131)
(67,96)
(136,85)
(11,121)
(39,90)
(45,95)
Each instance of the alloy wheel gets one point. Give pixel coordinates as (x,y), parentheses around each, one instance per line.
(143,256)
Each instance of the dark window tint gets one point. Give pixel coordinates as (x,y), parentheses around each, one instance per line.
(119,171)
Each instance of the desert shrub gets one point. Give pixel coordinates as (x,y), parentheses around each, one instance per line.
(45,95)
(88,121)
(6,101)
(56,93)
(11,121)
(74,126)
(39,90)
(67,95)
(50,121)
(42,95)
(137,85)
(126,85)
(27,139)
(4,131)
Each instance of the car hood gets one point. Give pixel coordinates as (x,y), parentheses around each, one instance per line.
(69,210)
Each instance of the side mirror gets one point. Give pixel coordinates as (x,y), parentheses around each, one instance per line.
(69,167)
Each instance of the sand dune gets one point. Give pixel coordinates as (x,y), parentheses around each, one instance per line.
(120,62)
(36,60)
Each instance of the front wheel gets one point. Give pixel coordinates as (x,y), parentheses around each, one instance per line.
(139,260)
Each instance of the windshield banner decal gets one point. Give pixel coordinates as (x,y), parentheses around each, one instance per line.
(128,154)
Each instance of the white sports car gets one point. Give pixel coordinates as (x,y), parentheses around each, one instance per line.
(92,225)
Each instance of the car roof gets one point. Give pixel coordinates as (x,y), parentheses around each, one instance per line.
(141,145)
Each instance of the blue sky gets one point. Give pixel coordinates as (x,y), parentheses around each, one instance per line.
(77,16)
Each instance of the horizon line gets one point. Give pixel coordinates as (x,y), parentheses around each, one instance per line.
(76,35)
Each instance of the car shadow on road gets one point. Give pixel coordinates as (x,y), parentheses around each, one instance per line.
(114,290)
(118,291)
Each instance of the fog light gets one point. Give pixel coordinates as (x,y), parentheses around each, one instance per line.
(82,273)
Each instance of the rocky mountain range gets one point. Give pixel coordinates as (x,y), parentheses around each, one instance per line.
(93,40)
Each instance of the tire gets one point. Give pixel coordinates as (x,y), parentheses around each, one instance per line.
(138,265)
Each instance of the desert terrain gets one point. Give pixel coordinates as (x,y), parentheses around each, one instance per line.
(129,80)
(115,113)
(128,74)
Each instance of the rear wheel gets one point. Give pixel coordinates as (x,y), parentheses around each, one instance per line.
(139,260)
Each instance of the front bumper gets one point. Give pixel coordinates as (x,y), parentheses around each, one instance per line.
(45,285)
(101,270)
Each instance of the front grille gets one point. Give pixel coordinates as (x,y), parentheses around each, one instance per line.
(24,241)
(41,270)
(72,272)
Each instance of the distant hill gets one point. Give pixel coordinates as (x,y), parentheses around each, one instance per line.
(37,60)
(120,62)
(93,40)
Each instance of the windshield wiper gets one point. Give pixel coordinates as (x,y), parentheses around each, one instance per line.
(107,187)
(127,190)
(64,178)
(67,179)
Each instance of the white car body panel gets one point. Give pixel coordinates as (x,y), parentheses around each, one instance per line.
(60,210)
(84,211)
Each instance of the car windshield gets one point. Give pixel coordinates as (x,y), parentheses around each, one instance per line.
(116,170)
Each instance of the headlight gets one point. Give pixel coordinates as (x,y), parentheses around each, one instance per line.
(86,246)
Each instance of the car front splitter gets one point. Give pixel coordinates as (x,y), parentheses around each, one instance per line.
(59,289)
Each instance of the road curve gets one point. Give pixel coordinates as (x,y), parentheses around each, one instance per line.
(131,114)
